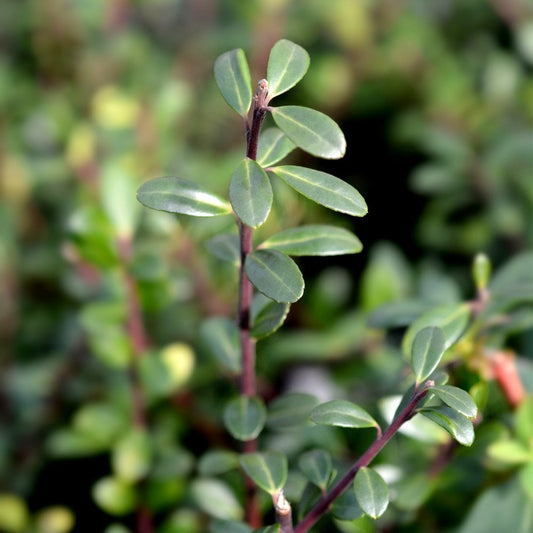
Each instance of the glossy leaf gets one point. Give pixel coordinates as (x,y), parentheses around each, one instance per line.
(250,193)
(267,316)
(371,492)
(245,417)
(216,499)
(290,410)
(273,146)
(221,337)
(217,462)
(457,399)
(268,469)
(314,240)
(316,466)
(287,65)
(234,81)
(176,195)
(225,247)
(426,352)
(457,425)
(451,319)
(322,188)
(275,275)
(311,130)
(342,413)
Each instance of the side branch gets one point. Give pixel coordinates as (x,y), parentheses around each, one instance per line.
(324,503)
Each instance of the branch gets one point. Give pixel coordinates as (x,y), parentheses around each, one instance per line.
(324,503)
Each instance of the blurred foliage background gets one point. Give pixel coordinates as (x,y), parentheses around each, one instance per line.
(436,101)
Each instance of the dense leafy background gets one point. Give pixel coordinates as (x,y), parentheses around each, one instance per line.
(436,102)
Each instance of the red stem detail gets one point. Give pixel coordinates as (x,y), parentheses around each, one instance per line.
(324,503)
(248,384)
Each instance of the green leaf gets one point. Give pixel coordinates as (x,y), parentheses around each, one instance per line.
(311,130)
(268,529)
(451,319)
(287,65)
(14,515)
(426,352)
(275,275)
(290,410)
(245,417)
(181,196)
(221,338)
(510,452)
(132,456)
(114,496)
(342,413)
(346,507)
(267,316)
(526,479)
(396,314)
(268,469)
(316,466)
(229,526)
(234,81)
(225,247)
(216,499)
(250,193)
(118,190)
(273,146)
(314,240)
(503,507)
(322,188)
(217,462)
(457,399)
(371,492)
(524,421)
(457,425)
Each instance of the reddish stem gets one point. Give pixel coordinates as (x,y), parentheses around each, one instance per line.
(324,503)
(248,385)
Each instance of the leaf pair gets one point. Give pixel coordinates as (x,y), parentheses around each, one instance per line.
(287,65)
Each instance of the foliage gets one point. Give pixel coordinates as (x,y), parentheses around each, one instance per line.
(120,352)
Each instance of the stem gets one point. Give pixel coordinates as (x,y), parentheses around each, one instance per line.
(283,513)
(248,382)
(324,503)
(139,341)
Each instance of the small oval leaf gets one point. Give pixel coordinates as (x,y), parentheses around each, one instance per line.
(250,193)
(346,506)
(316,466)
(216,498)
(290,410)
(311,130)
(234,81)
(217,462)
(245,417)
(273,146)
(275,275)
(176,195)
(342,413)
(457,399)
(426,352)
(457,425)
(314,240)
(225,247)
(371,492)
(268,469)
(287,65)
(452,319)
(267,316)
(324,189)
(221,337)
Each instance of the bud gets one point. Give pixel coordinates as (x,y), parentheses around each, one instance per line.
(481,270)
